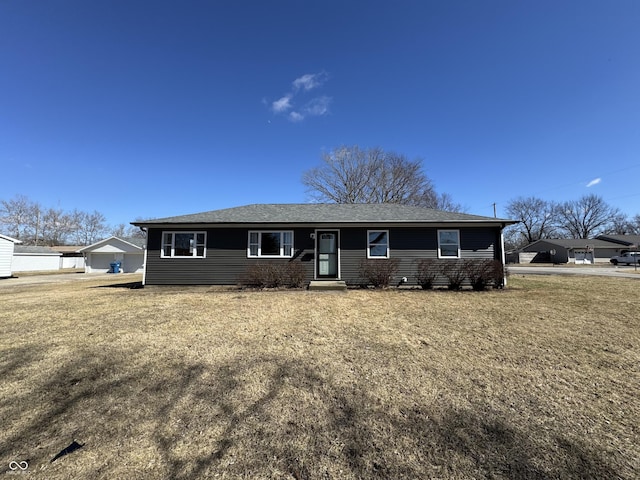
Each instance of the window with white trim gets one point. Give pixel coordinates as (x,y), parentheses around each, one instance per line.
(448,243)
(270,244)
(377,243)
(183,244)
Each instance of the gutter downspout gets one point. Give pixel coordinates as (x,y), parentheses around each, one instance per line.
(144,265)
(503,257)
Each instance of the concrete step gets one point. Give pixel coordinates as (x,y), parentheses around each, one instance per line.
(328,285)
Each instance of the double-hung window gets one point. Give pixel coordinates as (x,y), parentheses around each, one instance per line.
(270,244)
(183,244)
(378,244)
(448,243)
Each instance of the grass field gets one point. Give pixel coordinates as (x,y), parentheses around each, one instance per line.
(541,380)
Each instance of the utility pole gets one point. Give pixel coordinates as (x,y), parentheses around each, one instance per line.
(37,225)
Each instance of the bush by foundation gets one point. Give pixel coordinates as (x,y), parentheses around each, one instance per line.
(427,271)
(378,272)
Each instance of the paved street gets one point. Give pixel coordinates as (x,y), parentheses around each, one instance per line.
(514,269)
(599,270)
(64,277)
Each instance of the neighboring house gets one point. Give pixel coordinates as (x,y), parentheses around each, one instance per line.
(128,251)
(570,250)
(630,242)
(31,258)
(70,258)
(328,240)
(7,245)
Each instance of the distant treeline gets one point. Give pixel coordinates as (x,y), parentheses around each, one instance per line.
(34,224)
(583,218)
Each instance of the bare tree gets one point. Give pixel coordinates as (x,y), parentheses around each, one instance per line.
(55,226)
(119,230)
(635,225)
(586,217)
(536,218)
(16,217)
(445,202)
(88,228)
(621,225)
(350,174)
(512,238)
(136,232)
(123,230)
(30,222)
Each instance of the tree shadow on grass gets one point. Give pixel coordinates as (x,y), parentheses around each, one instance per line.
(16,359)
(127,285)
(268,417)
(340,433)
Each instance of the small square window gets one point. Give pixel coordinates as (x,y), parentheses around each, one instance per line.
(378,244)
(448,244)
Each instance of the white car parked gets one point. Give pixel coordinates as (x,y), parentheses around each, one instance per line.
(628,258)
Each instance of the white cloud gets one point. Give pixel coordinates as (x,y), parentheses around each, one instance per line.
(282,105)
(593,182)
(296,117)
(318,106)
(289,103)
(309,81)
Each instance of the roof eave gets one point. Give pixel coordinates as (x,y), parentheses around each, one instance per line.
(498,222)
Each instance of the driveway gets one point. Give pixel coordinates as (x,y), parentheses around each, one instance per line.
(599,270)
(65,278)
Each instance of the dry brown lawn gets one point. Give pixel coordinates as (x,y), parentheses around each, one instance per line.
(538,381)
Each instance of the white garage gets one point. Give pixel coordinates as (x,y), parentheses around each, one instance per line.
(34,258)
(583,257)
(129,252)
(6,255)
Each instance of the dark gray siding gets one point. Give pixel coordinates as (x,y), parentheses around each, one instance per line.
(543,250)
(226,259)
(412,244)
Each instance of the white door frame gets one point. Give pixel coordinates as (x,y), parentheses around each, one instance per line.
(316,258)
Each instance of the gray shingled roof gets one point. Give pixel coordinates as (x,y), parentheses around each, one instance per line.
(137,241)
(323,213)
(578,243)
(622,239)
(34,249)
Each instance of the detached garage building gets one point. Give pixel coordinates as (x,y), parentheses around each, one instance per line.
(6,255)
(581,251)
(128,251)
(33,258)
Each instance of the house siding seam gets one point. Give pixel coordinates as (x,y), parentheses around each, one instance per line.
(226,260)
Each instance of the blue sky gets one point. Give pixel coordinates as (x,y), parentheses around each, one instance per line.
(158,108)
